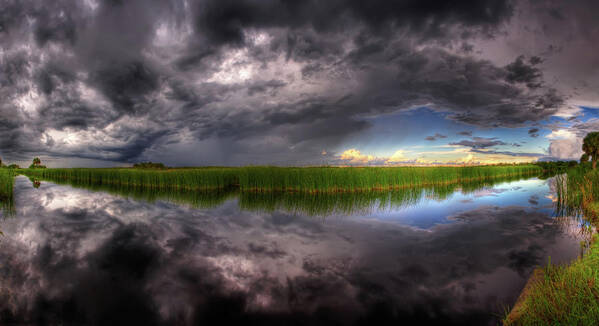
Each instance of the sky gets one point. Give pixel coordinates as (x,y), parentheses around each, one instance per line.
(283,82)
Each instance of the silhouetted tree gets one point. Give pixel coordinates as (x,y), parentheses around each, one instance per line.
(590,146)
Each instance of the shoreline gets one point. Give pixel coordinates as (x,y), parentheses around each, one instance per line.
(557,292)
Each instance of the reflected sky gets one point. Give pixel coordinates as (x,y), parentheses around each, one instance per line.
(76,256)
(427,212)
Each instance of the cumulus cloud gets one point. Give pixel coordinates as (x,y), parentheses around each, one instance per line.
(569,148)
(397,157)
(566,143)
(355,156)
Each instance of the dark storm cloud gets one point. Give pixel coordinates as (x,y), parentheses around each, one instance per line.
(480,142)
(523,72)
(508,153)
(264,86)
(127,86)
(465,133)
(533,132)
(224,22)
(435,137)
(128,79)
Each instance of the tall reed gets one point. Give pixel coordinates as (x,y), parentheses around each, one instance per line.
(182,179)
(578,193)
(6,190)
(312,203)
(333,179)
(267,178)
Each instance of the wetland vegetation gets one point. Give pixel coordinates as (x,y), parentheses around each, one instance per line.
(568,294)
(314,191)
(6,190)
(299,202)
(305,179)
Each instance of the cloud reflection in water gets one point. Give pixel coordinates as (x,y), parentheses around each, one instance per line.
(80,257)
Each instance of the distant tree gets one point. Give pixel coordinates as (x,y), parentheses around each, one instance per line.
(590,146)
(149,165)
(37,164)
(13,166)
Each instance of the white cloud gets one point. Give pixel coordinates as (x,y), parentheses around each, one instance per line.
(397,157)
(355,156)
(569,148)
(561,134)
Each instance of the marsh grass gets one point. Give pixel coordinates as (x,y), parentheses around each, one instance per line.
(335,179)
(310,203)
(577,193)
(179,179)
(356,202)
(307,179)
(562,294)
(6,191)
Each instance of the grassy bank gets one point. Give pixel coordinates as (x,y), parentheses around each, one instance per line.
(561,295)
(568,294)
(308,179)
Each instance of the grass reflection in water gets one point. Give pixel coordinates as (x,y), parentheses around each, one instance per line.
(305,203)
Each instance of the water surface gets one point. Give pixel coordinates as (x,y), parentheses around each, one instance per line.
(458,255)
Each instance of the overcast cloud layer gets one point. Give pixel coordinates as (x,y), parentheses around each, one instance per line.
(254,82)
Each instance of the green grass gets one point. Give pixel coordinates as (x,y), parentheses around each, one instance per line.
(578,193)
(562,295)
(6,190)
(332,179)
(308,179)
(179,179)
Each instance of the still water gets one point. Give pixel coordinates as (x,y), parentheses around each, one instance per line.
(459,256)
